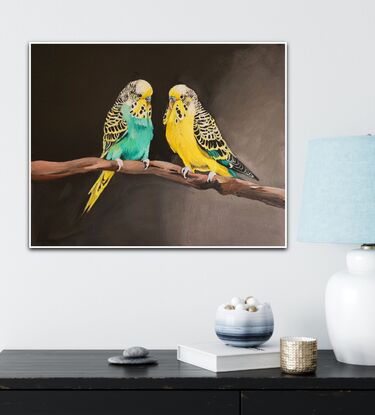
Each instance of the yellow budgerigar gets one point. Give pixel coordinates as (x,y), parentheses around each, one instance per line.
(192,133)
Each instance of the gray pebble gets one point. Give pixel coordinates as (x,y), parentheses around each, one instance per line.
(135,352)
(120,360)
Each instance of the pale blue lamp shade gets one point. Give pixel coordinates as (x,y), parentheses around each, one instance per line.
(339,194)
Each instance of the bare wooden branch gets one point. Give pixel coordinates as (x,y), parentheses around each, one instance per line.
(49,170)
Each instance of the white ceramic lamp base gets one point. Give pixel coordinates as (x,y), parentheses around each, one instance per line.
(350,309)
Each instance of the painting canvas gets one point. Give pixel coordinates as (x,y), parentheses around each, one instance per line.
(157,145)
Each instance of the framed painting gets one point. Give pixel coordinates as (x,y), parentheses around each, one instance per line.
(158,145)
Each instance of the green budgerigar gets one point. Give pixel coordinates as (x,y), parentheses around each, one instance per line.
(127,132)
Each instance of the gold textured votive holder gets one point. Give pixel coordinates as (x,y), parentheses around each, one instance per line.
(298,355)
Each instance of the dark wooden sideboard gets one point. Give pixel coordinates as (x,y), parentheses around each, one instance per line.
(44,382)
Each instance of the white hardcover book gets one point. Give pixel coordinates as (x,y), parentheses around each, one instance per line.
(218,357)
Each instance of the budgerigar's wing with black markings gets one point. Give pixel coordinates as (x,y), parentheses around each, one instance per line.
(210,140)
(115,128)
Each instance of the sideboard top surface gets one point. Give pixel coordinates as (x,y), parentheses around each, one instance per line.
(89,369)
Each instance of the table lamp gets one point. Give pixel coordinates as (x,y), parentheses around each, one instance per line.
(339,207)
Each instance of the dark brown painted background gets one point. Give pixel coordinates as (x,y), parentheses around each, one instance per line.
(72,88)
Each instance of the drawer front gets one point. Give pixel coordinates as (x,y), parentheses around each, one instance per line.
(308,402)
(119,402)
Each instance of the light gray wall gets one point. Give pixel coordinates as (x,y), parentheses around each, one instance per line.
(105,299)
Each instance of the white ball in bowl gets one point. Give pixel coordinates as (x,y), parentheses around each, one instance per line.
(237,300)
(252,301)
(241,307)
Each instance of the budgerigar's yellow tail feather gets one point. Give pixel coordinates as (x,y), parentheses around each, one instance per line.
(97,189)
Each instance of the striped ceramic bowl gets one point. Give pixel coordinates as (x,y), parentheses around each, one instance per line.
(241,328)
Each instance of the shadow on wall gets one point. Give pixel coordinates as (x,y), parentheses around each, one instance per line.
(73,86)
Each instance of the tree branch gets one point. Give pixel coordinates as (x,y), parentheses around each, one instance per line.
(49,170)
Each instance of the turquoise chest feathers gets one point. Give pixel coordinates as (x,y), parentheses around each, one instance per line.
(135,144)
